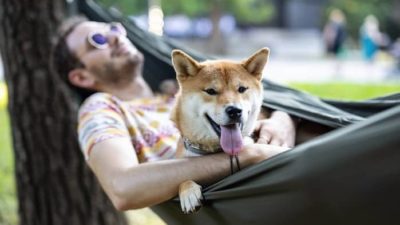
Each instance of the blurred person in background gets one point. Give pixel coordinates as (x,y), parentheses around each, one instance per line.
(334,35)
(394,51)
(334,32)
(370,37)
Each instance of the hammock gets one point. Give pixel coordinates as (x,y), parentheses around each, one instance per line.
(350,175)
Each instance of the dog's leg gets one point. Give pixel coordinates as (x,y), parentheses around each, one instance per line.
(190,196)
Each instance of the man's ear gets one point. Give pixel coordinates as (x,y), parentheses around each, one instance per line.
(184,65)
(81,78)
(255,63)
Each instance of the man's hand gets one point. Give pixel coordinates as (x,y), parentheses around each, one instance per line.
(279,129)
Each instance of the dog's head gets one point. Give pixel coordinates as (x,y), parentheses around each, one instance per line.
(219,100)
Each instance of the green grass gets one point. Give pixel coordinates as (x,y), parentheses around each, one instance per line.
(348,91)
(8,203)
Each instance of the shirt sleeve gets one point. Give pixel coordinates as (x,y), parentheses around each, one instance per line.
(100,118)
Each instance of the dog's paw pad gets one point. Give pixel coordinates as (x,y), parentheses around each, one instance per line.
(191,198)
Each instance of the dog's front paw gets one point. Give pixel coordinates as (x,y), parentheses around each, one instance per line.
(190,196)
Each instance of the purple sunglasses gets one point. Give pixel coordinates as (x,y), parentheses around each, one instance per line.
(99,39)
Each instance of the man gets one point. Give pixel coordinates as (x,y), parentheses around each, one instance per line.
(124,129)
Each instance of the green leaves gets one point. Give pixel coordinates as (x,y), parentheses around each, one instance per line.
(247,12)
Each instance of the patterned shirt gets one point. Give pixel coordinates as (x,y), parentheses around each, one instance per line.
(144,121)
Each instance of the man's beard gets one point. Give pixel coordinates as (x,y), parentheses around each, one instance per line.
(121,72)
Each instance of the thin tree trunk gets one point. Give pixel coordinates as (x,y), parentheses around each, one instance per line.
(281,13)
(54,185)
(217,44)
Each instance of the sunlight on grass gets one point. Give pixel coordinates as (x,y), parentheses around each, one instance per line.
(143,217)
(348,91)
(3,95)
(8,202)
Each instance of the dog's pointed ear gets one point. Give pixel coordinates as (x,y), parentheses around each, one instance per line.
(255,63)
(184,65)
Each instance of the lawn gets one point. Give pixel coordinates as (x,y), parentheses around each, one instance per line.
(8,202)
(348,91)
(8,205)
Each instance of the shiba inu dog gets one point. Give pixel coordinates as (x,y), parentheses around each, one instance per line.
(217,105)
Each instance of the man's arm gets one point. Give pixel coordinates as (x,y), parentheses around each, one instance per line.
(131,185)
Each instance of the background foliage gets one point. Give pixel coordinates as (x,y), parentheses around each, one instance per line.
(248,12)
(260,12)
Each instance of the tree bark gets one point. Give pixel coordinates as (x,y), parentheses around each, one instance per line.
(217,44)
(54,185)
(280,13)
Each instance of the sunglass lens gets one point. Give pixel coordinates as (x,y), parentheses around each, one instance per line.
(115,28)
(99,39)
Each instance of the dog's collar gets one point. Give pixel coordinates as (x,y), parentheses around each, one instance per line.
(198,149)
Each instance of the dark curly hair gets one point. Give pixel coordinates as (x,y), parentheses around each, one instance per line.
(62,60)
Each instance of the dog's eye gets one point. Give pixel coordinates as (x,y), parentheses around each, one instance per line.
(242,89)
(211,91)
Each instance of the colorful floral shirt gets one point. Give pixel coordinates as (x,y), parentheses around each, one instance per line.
(146,122)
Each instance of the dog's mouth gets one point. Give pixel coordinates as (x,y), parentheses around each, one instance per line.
(217,128)
(230,136)
(214,125)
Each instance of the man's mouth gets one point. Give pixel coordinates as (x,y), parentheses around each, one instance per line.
(120,51)
(230,136)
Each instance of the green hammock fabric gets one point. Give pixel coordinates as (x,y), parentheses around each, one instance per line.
(347,176)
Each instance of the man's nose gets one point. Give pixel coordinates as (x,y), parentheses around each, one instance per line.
(113,38)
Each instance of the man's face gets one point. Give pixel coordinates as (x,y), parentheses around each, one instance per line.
(105,51)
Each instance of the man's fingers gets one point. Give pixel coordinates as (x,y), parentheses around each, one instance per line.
(285,145)
(262,140)
(276,142)
(257,126)
(264,137)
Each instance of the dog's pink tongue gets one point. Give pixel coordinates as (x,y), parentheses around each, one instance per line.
(231,139)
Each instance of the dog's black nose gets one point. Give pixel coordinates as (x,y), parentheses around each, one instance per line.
(233,112)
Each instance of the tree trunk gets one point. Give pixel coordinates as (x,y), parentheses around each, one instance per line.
(217,44)
(54,185)
(281,13)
